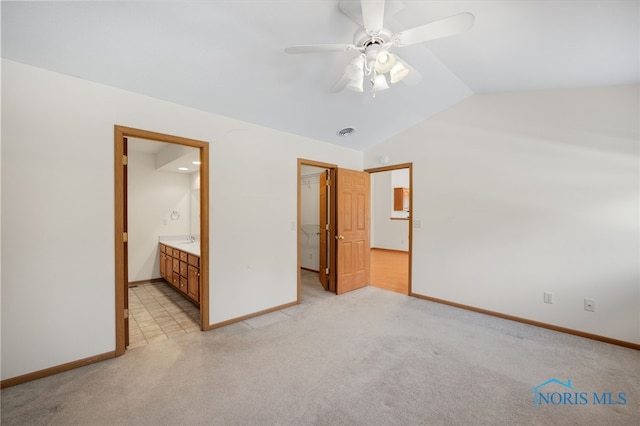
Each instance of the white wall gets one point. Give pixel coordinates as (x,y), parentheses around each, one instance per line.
(194,205)
(386,233)
(399,179)
(58,282)
(152,197)
(310,217)
(521,193)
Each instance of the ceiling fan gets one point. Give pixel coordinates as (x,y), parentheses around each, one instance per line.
(373,42)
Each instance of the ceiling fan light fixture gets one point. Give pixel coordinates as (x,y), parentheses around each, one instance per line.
(373,41)
(356,84)
(380,83)
(384,62)
(355,69)
(398,72)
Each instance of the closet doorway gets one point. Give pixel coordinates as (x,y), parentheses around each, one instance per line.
(199,284)
(316,226)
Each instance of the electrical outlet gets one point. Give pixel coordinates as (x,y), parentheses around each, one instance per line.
(589,305)
(548,297)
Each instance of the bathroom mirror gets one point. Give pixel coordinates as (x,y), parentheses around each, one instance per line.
(195,209)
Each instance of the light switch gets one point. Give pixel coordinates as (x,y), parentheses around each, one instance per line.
(417,223)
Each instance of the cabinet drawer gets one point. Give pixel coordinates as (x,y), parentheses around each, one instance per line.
(183,269)
(194,260)
(176,253)
(183,256)
(163,248)
(176,266)
(183,284)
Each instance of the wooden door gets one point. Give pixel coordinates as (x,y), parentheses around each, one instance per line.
(126,249)
(324,230)
(352,230)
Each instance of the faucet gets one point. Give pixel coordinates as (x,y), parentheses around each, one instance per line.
(192,238)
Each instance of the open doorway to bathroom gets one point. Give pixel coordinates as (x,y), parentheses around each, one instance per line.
(163,214)
(172,250)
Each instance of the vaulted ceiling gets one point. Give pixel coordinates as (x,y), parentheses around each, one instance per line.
(227,57)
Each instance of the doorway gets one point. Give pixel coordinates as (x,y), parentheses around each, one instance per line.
(344,232)
(391,230)
(316,229)
(122,134)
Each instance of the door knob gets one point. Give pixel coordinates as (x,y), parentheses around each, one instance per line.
(339,237)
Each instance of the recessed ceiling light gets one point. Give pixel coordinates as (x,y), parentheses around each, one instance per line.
(184,169)
(346,131)
(195,162)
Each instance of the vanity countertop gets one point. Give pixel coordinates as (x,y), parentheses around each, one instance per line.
(181,242)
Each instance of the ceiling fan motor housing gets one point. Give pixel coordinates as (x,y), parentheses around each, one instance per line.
(363,40)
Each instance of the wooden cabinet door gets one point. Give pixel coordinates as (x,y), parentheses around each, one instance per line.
(163,265)
(401,199)
(193,283)
(168,268)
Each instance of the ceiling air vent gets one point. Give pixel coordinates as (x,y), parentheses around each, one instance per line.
(346,131)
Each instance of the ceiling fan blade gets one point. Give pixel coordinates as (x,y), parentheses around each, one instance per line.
(353,9)
(373,15)
(320,48)
(437,29)
(340,84)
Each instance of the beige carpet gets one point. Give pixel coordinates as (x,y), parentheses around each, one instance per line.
(370,357)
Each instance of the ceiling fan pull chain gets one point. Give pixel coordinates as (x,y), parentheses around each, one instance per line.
(372,80)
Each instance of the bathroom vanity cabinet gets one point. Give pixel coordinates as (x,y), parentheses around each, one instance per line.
(181,270)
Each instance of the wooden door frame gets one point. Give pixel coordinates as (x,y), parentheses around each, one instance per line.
(332,231)
(120,133)
(398,167)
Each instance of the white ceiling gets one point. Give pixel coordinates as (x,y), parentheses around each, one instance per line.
(227,57)
(168,157)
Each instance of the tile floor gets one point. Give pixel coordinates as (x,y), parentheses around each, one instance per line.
(157,312)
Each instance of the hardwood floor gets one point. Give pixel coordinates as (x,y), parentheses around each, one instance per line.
(390,270)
